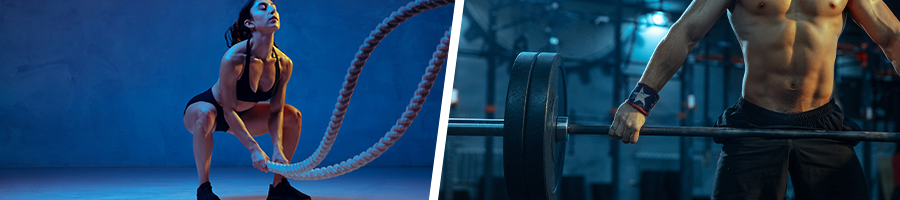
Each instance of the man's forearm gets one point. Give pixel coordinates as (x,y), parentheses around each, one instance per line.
(667,59)
(896,64)
(893,52)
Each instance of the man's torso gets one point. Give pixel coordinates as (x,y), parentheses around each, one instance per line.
(789,50)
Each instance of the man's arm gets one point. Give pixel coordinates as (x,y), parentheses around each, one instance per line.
(699,17)
(881,25)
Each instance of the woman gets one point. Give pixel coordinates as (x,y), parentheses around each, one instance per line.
(252,70)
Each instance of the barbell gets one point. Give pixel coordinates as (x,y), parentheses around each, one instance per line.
(535,134)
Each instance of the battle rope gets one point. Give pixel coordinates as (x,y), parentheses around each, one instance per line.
(303,170)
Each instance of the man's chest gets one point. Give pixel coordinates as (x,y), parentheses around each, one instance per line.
(791,9)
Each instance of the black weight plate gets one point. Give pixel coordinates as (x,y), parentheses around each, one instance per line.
(543,161)
(514,126)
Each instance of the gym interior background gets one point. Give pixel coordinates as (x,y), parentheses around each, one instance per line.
(88,84)
(605,45)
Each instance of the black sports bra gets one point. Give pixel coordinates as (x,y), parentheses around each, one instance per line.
(244,93)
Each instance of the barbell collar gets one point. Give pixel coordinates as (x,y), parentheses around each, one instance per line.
(562,128)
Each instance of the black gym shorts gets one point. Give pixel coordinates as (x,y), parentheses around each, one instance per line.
(758,168)
(207,96)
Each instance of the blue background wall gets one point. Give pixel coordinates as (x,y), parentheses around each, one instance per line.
(104,83)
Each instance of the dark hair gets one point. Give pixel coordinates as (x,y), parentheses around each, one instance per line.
(238,32)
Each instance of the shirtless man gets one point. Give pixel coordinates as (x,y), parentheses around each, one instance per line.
(789,48)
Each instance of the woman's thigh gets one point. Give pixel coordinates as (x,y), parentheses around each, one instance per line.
(199,117)
(256,119)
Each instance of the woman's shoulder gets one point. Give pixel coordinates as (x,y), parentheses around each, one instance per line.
(283,57)
(236,53)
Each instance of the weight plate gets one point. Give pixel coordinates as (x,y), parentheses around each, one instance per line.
(543,164)
(514,126)
(533,156)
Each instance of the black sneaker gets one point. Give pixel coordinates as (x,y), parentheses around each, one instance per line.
(284,191)
(204,192)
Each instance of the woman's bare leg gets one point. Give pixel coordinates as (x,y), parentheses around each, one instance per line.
(257,121)
(200,120)
(290,136)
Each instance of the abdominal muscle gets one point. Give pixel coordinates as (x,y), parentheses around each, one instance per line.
(789,56)
(781,89)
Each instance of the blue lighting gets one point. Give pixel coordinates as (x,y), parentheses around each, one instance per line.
(659,18)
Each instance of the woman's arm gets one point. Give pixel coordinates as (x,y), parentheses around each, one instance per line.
(276,105)
(229,72)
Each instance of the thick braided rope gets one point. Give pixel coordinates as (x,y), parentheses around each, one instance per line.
(295,170)
(396,131)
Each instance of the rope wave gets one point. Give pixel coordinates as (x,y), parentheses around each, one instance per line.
(304,170)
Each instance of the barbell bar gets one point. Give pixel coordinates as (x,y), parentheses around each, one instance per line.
(494,127)
(535,134)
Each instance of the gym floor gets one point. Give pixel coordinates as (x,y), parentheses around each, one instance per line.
(229,183)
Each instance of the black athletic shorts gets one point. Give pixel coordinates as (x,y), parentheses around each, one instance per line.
(758,168)
(207,96)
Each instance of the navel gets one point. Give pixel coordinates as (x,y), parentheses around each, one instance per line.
(762,4)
